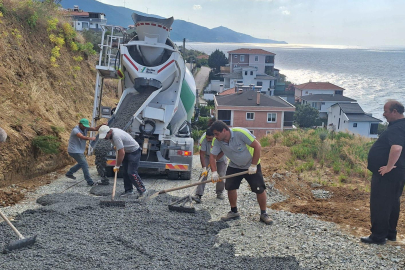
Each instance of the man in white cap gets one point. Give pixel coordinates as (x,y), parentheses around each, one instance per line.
(128,155)
(76,148)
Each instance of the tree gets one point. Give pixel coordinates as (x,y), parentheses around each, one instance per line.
(306,116)
(217,59)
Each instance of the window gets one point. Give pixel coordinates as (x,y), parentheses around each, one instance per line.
(268,132)
(235,65)
(271,117)
(354,124)
(313,104)
(239,81)
(236,56)
(373,128)
(245,72)
(250,116)
(259,83)
(340,92)
(323,103)
(251,73)
(242,58)
(256,58)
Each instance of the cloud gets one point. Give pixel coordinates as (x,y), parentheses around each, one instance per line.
(197,7)
(284,10)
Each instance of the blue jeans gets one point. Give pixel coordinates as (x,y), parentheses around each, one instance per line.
(81,164)
(131,177)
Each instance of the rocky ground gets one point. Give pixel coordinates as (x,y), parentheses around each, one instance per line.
(75,232)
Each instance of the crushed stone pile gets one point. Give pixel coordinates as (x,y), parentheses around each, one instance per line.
(74,232)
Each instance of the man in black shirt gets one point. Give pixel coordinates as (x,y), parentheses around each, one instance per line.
(386,161)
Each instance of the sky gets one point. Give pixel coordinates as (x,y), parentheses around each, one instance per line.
(369,23)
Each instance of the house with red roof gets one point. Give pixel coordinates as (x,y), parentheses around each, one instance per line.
(316,88)
(261,60)
(261,114)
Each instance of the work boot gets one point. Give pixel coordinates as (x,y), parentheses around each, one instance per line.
(220,196)
(196,198)
(91,184)
(71,176)
(266,219)
(230,216)
(127,193)
(143,195)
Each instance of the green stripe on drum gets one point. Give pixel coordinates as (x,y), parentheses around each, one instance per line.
(187,98)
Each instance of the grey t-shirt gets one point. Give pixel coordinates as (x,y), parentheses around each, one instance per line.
(121,139)
(204,145)
(237,149)
(77,145)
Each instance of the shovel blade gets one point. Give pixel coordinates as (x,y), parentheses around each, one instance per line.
(26,242)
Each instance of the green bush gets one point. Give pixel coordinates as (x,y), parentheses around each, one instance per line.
(47,144)
(264,141)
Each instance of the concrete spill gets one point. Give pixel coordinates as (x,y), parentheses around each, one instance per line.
(74,232)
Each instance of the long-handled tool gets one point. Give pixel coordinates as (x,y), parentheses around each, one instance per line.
(192,185)
(22,242)
(113,202)
(185,204)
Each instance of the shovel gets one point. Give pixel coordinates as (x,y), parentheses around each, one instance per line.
(22,242)
(192,185)
(112,202)
(185,204)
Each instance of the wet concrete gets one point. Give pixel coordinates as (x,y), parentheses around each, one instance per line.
(74,232)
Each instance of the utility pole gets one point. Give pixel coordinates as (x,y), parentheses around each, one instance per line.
(184,46)
(147,10)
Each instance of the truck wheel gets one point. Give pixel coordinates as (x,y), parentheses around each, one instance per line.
(185,175)
(172,175)
(109,171)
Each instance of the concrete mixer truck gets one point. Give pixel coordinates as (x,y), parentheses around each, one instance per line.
(157,97)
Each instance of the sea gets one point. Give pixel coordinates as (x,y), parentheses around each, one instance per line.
(369,75)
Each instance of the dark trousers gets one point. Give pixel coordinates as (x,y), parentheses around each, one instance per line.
(385,197)
(130,166)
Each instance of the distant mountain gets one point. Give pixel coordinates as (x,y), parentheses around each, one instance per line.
(181,29)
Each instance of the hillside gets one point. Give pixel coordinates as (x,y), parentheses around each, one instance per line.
(45,88)
(181,29)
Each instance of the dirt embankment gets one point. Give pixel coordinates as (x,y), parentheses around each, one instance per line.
(37,98)
(346,204)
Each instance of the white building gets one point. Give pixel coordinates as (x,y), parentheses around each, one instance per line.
(249,76)
(323,102)
(215,87)
(316,88)
(82,20)
(350,117)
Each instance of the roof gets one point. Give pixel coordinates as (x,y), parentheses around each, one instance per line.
(325,97)
(250,51)
(265,77)
(203,56)
(249,97)
(348,108)
(318,86)
(227,92)
(234,75)
(362,118)
(77,13)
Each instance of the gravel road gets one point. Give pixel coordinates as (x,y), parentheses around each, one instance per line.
(74,232)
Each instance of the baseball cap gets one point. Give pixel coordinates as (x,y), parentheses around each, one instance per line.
(102,131)
(84,122)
